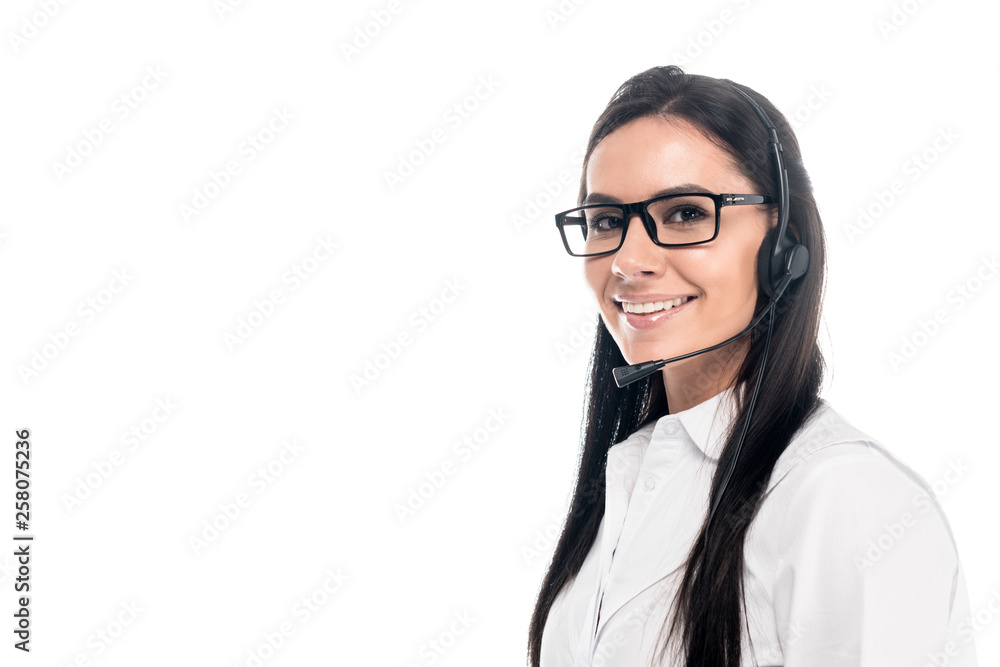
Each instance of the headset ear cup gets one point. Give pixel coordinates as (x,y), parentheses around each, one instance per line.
(764,261)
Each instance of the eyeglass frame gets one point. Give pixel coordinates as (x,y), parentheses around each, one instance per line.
(640,208)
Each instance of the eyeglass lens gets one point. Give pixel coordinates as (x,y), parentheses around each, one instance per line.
(677,220)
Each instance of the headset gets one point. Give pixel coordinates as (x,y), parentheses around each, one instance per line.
(780,261)
(781,254)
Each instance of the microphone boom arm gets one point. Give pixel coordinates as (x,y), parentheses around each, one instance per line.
(627,374)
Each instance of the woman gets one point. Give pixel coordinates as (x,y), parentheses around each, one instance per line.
(724,514)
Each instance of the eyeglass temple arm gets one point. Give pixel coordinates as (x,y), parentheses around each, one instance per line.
(740,200)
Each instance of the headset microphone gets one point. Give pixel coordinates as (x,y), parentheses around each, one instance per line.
(628,374)
(782,259)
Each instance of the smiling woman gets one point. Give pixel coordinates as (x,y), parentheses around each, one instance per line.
(782,571)
(709,288)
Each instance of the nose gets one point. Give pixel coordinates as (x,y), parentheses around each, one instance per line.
(638,254)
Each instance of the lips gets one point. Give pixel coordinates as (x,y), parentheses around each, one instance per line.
(644,307)
(652,312)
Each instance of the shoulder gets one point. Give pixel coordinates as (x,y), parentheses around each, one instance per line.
(827,443)
(855,552)
(833,476)
(823,429)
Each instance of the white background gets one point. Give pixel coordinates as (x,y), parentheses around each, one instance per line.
(513,339)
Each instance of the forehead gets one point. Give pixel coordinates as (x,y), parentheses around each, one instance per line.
(650,154)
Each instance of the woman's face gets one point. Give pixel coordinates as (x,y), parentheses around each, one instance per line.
(716,281)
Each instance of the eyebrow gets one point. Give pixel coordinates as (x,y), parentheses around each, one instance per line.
(597,197)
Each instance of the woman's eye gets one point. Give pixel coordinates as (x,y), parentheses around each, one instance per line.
(684,214)
(604,222)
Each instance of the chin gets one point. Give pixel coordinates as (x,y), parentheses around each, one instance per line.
(650,352)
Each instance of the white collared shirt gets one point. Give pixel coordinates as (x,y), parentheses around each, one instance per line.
(850,561)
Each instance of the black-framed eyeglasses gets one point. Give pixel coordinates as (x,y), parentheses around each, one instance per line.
(672,221)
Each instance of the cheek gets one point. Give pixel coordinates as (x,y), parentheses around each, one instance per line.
(731,278)
(596,273)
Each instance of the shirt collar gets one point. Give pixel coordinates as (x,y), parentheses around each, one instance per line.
(705,423)
(708,422)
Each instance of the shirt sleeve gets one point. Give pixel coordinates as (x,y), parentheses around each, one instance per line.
(866,570)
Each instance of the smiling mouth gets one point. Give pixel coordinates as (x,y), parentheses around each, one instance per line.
(651,307)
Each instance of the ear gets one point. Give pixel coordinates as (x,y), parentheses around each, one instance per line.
(764,259)
(793,229)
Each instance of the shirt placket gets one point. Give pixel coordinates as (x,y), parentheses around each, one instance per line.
(656,465)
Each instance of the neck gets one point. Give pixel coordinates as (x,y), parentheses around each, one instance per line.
(692,381)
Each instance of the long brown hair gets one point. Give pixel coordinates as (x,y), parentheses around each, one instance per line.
(707,612)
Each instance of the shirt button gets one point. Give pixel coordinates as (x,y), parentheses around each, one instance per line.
(672,427)
(648,483)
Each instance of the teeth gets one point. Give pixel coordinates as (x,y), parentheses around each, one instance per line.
(651,307)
